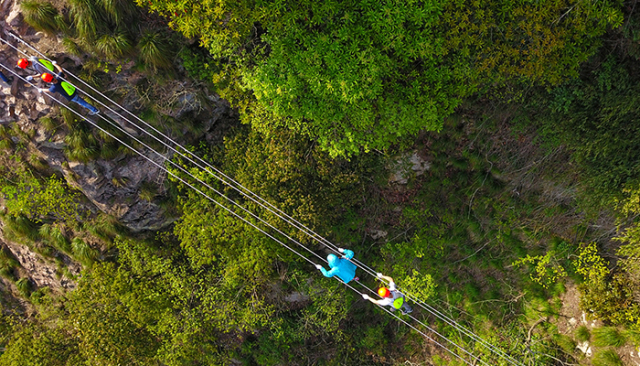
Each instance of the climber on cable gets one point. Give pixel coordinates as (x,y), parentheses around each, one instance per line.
(66,90)
(341,267)
(390,297)
(41,66)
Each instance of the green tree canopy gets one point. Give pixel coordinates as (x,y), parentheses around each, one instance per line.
(363,74)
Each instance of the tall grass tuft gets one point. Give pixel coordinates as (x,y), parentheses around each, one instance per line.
(37,162)
(24,286)
(62,24)
(83,154)
(6,144)
(608,336)
(565,342)
(582,333)
(633,335)
(119,11)
(71,46)
(606,358)
(55,237)
(40,15)
(86,19)
(82,251)
(109,151)
(5,132)
(21,227)
(113,46)
(148,191)
(154,49)
(48,123)
(7,273)
(69,118)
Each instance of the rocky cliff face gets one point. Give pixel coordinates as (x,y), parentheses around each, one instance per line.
(20,103)
(112,186)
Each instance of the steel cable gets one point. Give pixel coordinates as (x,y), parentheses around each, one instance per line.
(263,203)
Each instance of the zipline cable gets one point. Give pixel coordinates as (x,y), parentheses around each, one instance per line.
(180,168)
(236,185)
(161,167)
(258,200)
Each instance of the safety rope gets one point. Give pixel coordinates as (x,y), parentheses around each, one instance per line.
(161,167)
(262,202)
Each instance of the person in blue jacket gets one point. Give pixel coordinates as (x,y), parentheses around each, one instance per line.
(341,267)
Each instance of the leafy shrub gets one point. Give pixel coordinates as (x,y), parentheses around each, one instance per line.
(608,336)
(40,15)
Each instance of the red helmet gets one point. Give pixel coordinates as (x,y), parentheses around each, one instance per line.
(23,63)
(384,292)
(47,78)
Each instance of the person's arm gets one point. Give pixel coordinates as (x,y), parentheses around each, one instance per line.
(326,273)
(383,277)
(366,297)
(60,71)
(40,90)
(347,254)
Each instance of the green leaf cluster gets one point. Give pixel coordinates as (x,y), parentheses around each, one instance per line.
(360,75)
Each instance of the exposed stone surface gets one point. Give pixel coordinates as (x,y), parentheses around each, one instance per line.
(405,165)
(42,272)
(296,297)
(111,186)
(585,348)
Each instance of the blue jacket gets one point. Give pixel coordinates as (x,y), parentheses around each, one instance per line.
(341,267)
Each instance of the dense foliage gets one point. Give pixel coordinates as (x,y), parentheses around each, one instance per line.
(520,115)
(363,74)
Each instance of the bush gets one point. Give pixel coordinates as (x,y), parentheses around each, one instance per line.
(40,15)
(608,336)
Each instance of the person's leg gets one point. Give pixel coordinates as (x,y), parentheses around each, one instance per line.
(4,78)
(406,308)
(83,103)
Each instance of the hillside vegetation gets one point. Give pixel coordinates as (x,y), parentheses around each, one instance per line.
(522,225)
